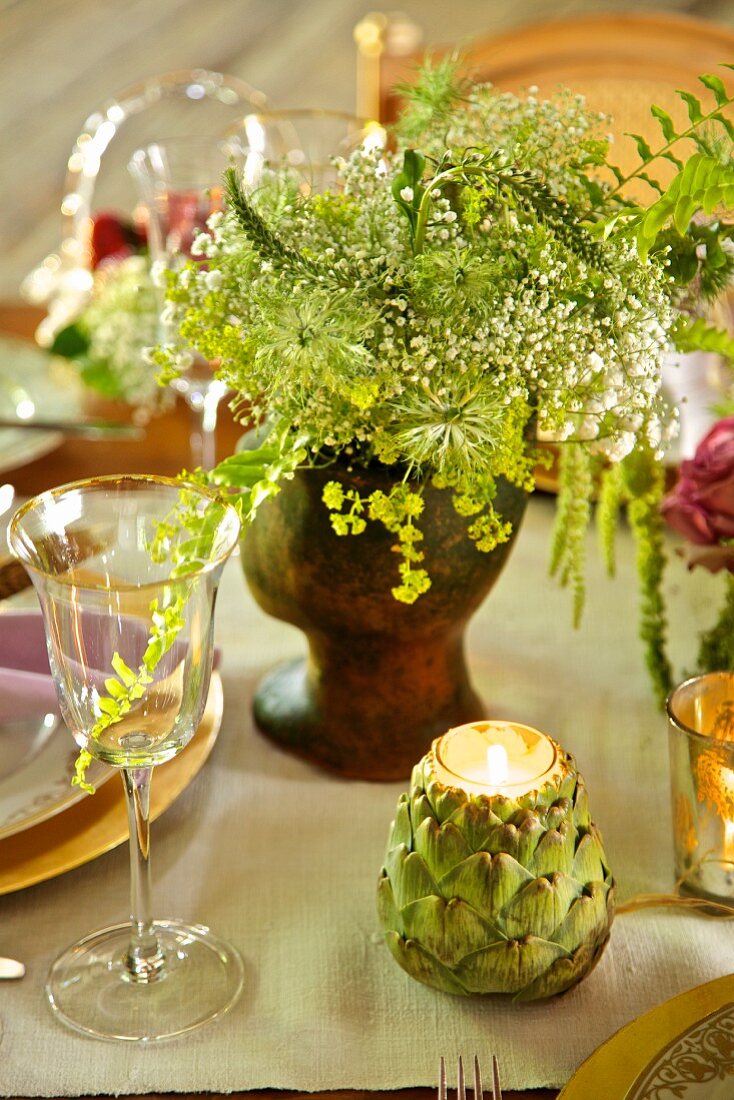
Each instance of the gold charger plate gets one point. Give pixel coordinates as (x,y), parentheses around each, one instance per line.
(616,1067)
(99,823)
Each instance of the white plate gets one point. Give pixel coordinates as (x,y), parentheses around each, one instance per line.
(46,387)
(36,766)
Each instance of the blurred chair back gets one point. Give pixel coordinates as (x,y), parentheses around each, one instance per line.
(620,62)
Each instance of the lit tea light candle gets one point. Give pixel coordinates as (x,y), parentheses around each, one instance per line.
(492,758)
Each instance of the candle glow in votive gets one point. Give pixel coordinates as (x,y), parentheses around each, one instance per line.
(496,758)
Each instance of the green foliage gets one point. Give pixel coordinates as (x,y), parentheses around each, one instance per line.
(644,483)
(482,279)
(716,650)
(697,335)
(609,504)
(568,550)
(396,511)
(128,686)
(186,538)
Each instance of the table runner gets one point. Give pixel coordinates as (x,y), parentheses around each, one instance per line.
(283,860)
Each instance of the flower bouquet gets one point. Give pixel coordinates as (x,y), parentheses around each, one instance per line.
(115,317)
(489,282)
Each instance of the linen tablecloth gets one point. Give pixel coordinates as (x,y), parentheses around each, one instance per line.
(283,860)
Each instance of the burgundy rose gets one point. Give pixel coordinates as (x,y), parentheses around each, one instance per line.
(701,506)
(113,239)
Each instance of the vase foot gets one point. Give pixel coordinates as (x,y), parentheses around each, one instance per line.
(380,744)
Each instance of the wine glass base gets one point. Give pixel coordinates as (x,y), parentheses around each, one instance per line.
(90,989)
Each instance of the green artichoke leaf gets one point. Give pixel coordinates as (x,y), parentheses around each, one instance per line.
(422,966)
(560,975)
(409,876)
(485,882)
(448,930)
(581,812)
(555,851)
(540,907)
(529,834)
(420,808)
(504,808)
(445,800)
(476,821)
(587,919)
(401,831)
(561,811)
(589,861)
(508,967)
(502,838)
(441,847)
(570,781)
(387,910)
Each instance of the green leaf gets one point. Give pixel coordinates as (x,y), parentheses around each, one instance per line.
(726,123)
(125,674)
(643,149)
(666,122)
(70,342)
(685,208)
(695,111)
(699,336)
(716,85)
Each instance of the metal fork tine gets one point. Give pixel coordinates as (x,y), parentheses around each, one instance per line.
(496,1090)
(441,1078)
(478,1092)
(461,1086)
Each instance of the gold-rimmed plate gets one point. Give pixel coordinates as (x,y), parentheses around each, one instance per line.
(99,822)
(687,1042)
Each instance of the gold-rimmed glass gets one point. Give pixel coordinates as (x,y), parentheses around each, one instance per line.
(129,627)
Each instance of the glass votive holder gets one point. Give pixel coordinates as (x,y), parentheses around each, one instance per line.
(701,741)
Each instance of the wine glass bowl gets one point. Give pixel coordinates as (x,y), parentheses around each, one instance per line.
(126,570)
(179,183)
(302,144)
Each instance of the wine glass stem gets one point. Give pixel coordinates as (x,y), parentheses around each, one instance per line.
(204,406)
(144,960)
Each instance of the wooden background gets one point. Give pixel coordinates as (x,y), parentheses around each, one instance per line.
(59,59)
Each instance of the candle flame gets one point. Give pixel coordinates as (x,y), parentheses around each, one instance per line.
(497,764)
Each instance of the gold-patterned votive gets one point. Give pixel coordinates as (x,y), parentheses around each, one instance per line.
(701,739)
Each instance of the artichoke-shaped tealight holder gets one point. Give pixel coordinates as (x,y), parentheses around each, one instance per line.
(485,893)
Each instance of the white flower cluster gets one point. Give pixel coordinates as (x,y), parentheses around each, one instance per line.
(121,320)
(349,332)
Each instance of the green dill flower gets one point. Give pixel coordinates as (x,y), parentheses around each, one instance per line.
(453,428)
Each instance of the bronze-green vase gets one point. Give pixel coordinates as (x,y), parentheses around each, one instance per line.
(382,678)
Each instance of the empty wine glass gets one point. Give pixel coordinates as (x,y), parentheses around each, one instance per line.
(303,143)
(128,610)
(180,185)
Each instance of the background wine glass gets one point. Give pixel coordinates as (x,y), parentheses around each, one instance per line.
(129,635)
(303,143)
(179,184)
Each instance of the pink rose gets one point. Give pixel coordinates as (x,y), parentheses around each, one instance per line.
(701,506)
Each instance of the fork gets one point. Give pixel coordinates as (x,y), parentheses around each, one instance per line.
(461,1084)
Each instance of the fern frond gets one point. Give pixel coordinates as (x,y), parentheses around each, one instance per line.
(704,184)
(699,119)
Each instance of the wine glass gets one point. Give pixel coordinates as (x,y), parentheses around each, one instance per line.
(179,184)
(302,143)
(128,611)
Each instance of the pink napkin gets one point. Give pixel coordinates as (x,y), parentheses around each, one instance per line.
(26,687)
